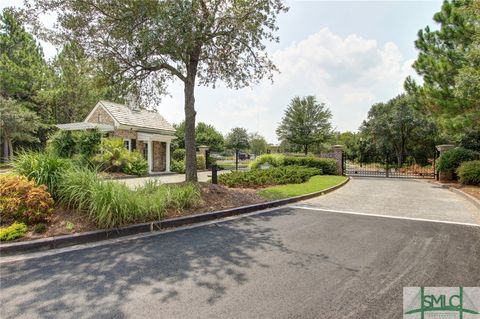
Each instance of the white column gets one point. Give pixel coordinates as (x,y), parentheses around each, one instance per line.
(150,156)
(167,157)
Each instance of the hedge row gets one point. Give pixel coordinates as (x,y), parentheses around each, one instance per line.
(271,176)
(327,165)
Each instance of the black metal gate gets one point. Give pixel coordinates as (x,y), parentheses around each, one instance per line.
(352,167)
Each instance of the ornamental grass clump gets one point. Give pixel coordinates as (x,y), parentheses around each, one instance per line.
(42,167)
(111,204)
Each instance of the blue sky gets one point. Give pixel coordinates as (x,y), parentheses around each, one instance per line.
(350,54)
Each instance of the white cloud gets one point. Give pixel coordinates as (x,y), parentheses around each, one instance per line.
(348,73)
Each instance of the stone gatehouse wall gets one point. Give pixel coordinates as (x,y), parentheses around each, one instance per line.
(125,134)
(159,156)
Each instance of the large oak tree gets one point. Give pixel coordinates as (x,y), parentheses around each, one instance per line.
(152,42)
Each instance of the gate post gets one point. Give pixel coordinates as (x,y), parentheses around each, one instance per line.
(337,151)
(444,176)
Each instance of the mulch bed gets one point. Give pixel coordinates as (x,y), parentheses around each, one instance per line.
(217,197)
(214,197)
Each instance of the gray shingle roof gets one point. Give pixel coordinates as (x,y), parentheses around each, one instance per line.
(141,118)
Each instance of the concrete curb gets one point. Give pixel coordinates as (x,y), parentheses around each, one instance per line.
(458,191)
(468,197)
(103,234)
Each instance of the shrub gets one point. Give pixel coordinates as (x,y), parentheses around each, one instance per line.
(451,159)
(469,173)
(116,158)
(114,155)
(88,143)
(21,200)
(62,143)
(178,166)
(274,160)
(179,154)
(201,162)
(327,165)
(42,167)
(112,204)
(14,231)
(267,177)
(67,143)
(40,228)
(136,164)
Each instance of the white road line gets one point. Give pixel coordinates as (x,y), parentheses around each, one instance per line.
(384,216)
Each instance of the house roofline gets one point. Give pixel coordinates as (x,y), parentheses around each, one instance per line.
(100,104)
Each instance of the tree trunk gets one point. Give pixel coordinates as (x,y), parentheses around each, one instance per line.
(190,113)
(10,148)
(5,148)
(305,149)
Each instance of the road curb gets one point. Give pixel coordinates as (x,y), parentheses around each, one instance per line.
(103,234)
(469,197)
(458,191)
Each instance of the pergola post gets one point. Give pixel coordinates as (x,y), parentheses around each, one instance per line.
(150,156)
(167,157)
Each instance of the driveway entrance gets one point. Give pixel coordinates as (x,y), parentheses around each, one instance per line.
(398,197)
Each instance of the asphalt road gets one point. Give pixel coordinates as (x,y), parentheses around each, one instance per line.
(286,263)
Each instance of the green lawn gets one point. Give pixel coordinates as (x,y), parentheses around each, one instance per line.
(314,184)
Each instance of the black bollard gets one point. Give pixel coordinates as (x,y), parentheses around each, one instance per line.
(214,174)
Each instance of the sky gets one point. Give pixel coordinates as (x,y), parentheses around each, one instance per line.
(349,54)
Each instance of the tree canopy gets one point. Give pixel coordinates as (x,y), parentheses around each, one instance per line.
(395,128)
(258,143)
(448,62)
(77,85)
(17,124)
(305,122)
(23,70)
(148,43)
(205,134)
(237,139)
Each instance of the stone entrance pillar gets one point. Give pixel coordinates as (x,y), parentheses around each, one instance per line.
(337,151)
(446,175)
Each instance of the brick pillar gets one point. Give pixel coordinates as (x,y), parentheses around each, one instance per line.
(337,151)
(446,175)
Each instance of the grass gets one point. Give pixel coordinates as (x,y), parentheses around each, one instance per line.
(112,204)
(314,184)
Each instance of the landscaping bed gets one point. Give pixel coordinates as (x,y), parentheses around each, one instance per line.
(50,196)
(65,221)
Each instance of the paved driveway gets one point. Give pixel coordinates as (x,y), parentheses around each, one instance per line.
(399,197)
(203,176)
(285,263)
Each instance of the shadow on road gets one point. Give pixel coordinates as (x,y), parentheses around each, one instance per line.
(102,278)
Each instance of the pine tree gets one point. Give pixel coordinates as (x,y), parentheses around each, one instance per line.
(443,53)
